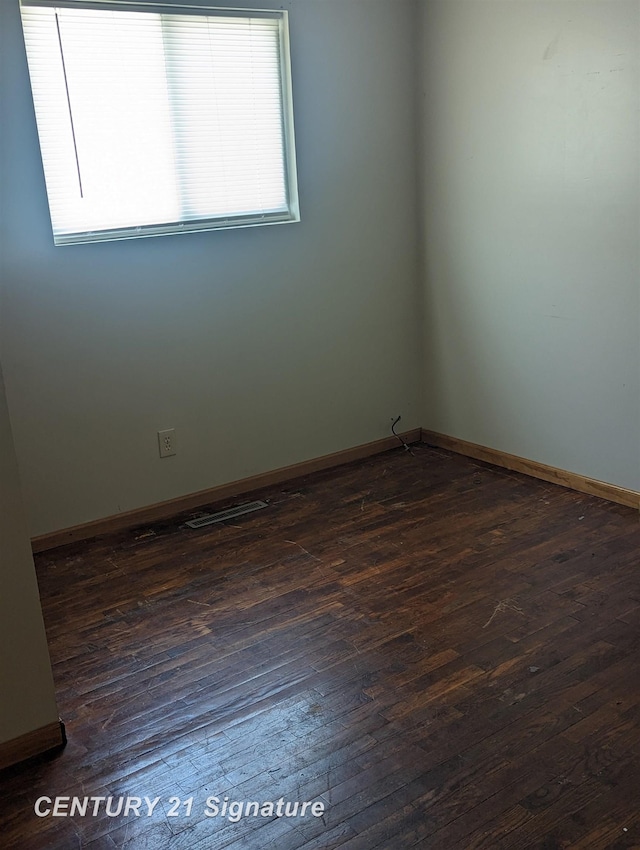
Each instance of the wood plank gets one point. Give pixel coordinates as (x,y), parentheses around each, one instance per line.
(573,480)
(442,651)
(214,497)
(34,743)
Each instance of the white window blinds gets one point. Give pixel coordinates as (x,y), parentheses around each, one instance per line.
(156,119)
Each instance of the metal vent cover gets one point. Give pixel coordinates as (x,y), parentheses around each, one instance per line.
(230,513)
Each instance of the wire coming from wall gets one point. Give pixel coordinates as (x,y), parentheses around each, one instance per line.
(407,447)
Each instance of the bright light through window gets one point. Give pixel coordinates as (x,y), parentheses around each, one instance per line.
(156,121)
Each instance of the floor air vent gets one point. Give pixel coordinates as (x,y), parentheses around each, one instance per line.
(231,513)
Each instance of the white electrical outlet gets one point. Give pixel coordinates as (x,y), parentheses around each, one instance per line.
(167,442)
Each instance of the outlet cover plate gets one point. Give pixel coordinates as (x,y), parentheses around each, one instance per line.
(167,442)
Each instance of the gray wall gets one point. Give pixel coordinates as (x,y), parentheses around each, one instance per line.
(531,230)
(262,347)
(268,346)
(26,684)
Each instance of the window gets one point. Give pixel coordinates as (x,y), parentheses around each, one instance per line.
(160,119)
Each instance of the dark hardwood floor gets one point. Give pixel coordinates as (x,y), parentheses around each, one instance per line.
(444,653)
